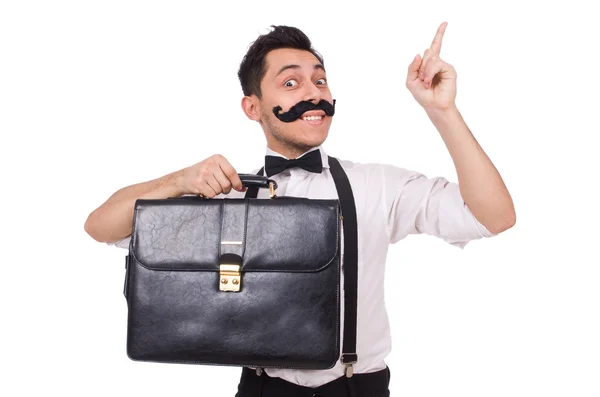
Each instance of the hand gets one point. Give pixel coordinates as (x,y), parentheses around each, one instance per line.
(211,177)
(431,81)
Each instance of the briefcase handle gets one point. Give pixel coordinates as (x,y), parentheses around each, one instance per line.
(259,181)
(248,180)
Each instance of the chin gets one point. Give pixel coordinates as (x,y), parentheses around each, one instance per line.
(313,140)
(300,135)
(315,136)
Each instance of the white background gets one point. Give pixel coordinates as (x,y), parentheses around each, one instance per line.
(98,95)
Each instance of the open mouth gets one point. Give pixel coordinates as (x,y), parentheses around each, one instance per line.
(314,120)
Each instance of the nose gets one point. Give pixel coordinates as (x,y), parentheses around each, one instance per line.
(313,93)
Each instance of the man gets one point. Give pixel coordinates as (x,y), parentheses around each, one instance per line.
(285,90)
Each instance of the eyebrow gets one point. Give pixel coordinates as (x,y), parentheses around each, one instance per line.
(286,67)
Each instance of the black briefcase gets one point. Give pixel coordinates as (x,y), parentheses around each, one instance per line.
(242,282)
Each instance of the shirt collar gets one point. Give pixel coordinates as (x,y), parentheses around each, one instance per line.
(324,158)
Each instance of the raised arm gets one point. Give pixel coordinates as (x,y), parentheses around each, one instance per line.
(432,82)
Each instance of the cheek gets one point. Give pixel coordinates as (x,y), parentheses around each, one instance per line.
(288,103)
(285,105)
(267,110)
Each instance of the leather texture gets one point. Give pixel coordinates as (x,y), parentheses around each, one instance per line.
(287,313)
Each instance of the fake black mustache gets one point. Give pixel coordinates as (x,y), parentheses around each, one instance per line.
(300,108)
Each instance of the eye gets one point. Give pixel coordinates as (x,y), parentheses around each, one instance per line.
(322,80)
(288,83)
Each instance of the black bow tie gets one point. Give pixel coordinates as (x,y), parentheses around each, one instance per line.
(310,162)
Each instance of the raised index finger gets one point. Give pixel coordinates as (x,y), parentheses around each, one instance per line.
(436,45)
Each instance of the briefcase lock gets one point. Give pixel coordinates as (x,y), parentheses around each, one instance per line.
(230,277)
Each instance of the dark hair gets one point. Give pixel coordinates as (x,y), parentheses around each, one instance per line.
(253,66)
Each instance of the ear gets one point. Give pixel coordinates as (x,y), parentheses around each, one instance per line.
(251,107)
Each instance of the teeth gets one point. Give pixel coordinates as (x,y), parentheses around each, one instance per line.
(312,118)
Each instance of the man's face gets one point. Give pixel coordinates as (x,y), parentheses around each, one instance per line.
(293,76)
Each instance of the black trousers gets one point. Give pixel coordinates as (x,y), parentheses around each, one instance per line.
(374,384)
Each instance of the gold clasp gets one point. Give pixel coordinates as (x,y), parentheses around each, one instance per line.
(230,278)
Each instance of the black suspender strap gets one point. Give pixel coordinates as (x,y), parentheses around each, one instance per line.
(342,184)
(346,197)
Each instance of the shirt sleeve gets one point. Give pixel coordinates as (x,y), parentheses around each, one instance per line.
(415,204)
(123,243)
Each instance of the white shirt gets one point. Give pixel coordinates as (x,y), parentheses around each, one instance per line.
(391,203)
